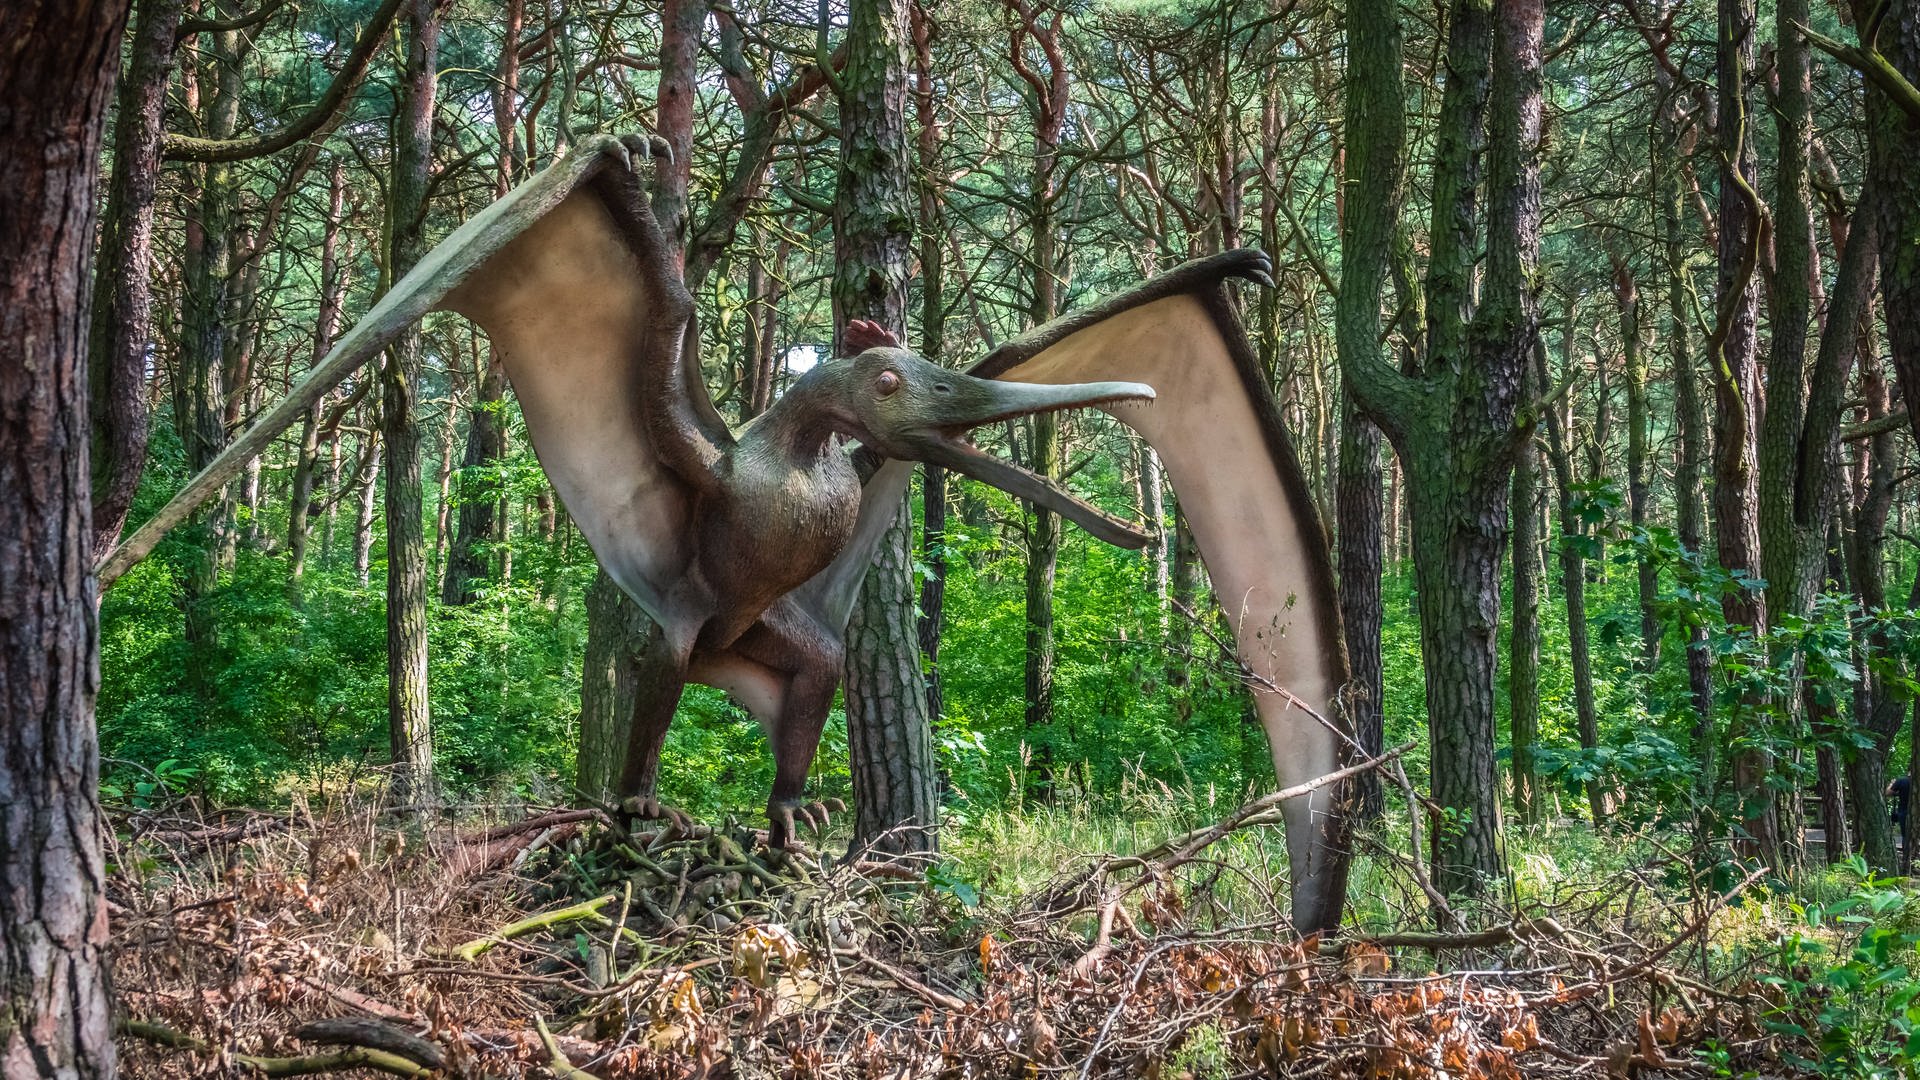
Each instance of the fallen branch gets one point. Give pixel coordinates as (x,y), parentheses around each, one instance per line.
(357,1057)
(373,1035)
(533,824)
(588,909)
(1542,927)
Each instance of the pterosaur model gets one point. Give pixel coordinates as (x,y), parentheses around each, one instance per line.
(748,548)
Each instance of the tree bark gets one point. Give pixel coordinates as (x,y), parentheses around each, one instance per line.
(363,515)
(889,735)
(481,512)
(55,1011)
(1358,509)
(200,392)
(1573,581)
(1456,425)
(1523,647)
(933,346)
(1626,294)
(1893,138)
(120,344)
(1732,359)
(1047,106)
(333,289)
(1690,417)
(409,715)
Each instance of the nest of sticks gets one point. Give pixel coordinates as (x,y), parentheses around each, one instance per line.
(571,943)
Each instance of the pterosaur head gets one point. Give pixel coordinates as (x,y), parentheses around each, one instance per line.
(905,407)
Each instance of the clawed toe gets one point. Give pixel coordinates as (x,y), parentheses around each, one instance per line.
(650,808)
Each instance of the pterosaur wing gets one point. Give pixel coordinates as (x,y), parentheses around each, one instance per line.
(589,318)
(1232,466)
(418,292)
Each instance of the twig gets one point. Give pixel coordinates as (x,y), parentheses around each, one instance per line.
(908,982)
(557,1061)
(1181,848)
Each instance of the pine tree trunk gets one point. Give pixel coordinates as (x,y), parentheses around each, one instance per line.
(889,734)
(333,289)
(1358,509)
(609,687)
(1690,416)
(1732,359)
(55,85)
(1893,139)
(199,391)
(409,715)
(1573,581)
(121,339)
(1626,292)
(1154,509)
(933,346)
(363,517)
(1183,592)
(1048,106)
(1523,655)
(478,526)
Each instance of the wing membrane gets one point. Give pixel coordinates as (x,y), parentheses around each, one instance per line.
(1239,483)
(572,311)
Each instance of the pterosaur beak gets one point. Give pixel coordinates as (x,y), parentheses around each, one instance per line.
(975,402)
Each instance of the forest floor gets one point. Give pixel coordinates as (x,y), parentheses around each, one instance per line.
(530,941)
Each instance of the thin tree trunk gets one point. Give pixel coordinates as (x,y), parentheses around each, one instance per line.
(1731,356)
(933,346)
(1153,509)
(1183,591)
(442,503)
(363,520)
(478,528)
(1048,107)
(1358,510)
(199,393)
(889,734)
(55,1010)
(121,340)
(409,715)
(1626,293)
(1690,416)
(333,287)
(1523,656)
(1573,582)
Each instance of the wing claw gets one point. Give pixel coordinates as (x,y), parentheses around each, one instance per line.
(648,147)
(1257,267)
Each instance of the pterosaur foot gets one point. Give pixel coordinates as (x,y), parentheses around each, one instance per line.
(784,816)
(650,808)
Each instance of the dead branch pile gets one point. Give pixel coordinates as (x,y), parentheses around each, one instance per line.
(572,944)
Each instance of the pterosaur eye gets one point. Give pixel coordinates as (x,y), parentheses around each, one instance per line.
(886,383)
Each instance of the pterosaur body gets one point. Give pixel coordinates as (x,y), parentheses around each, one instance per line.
(713,533)
(748,548)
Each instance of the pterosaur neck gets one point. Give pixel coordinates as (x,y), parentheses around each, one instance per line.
(801,422)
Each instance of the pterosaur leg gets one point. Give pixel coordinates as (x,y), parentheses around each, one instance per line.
(787,639)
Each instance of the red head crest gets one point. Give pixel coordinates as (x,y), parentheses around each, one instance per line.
(863,334)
